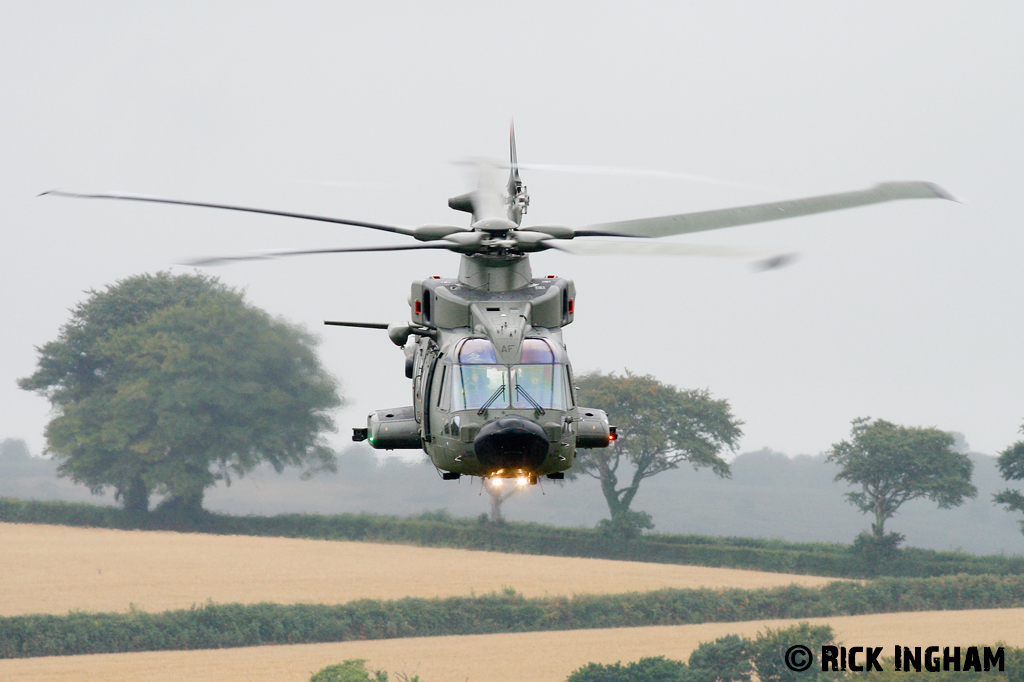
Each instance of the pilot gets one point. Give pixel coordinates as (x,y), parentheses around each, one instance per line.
(477,385)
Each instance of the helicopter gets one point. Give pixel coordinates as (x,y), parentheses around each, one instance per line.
(492,386)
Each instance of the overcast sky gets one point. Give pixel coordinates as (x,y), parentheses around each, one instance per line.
(908,311)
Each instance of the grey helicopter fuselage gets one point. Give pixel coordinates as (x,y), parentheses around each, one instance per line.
(493,392)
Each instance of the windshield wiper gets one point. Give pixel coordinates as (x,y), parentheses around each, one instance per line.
(529,398)
(494,396)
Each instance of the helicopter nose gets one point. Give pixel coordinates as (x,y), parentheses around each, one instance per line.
(511,442)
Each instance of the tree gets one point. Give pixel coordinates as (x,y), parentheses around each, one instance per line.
(499,493)
(768,652)
(649,669)
(353,670)
(167,384)
(727,659)
(1011,466)
(895,464)
(14,451)
(660,427)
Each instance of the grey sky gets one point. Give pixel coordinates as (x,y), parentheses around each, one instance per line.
(910,312)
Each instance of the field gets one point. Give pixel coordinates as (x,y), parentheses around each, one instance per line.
(528,657)
(54,569)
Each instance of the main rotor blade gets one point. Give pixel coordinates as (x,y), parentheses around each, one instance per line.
(759,213)
(286,214)
(645,247)
(220,260)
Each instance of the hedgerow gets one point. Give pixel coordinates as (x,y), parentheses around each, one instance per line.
(214,626)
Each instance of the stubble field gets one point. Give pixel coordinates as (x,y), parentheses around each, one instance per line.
(521,657)
(54,569)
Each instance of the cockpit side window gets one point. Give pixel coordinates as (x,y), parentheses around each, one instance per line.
(443,393)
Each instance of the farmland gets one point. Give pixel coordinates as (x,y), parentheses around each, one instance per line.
(524,657)
(57,569)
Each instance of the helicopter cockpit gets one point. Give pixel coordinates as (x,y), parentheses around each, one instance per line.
(538,382)
(511,418)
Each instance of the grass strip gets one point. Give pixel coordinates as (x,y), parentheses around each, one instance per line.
(214,626)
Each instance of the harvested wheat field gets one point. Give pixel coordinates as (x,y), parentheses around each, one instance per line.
(54,569)
(526,657)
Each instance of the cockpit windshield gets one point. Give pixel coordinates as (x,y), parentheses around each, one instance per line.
(539,386)
(536,351)
(538,382)
(477,385)
(539,352)
(477,352)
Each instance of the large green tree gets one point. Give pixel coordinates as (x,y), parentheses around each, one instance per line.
(895,464)
(167,384)
(1011,466)
(660,427)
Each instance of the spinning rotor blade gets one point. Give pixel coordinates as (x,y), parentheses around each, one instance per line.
(286,214)
(220,260)
(622,171)
(765,259)
(758,213)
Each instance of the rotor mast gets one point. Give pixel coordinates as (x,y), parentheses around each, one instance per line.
(497,211)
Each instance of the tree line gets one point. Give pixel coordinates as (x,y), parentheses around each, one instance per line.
(168,385)
(888,464)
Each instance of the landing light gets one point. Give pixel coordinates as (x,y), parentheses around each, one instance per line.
(523,480)
(496,482)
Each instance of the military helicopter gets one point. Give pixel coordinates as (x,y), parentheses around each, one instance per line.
(492,384)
